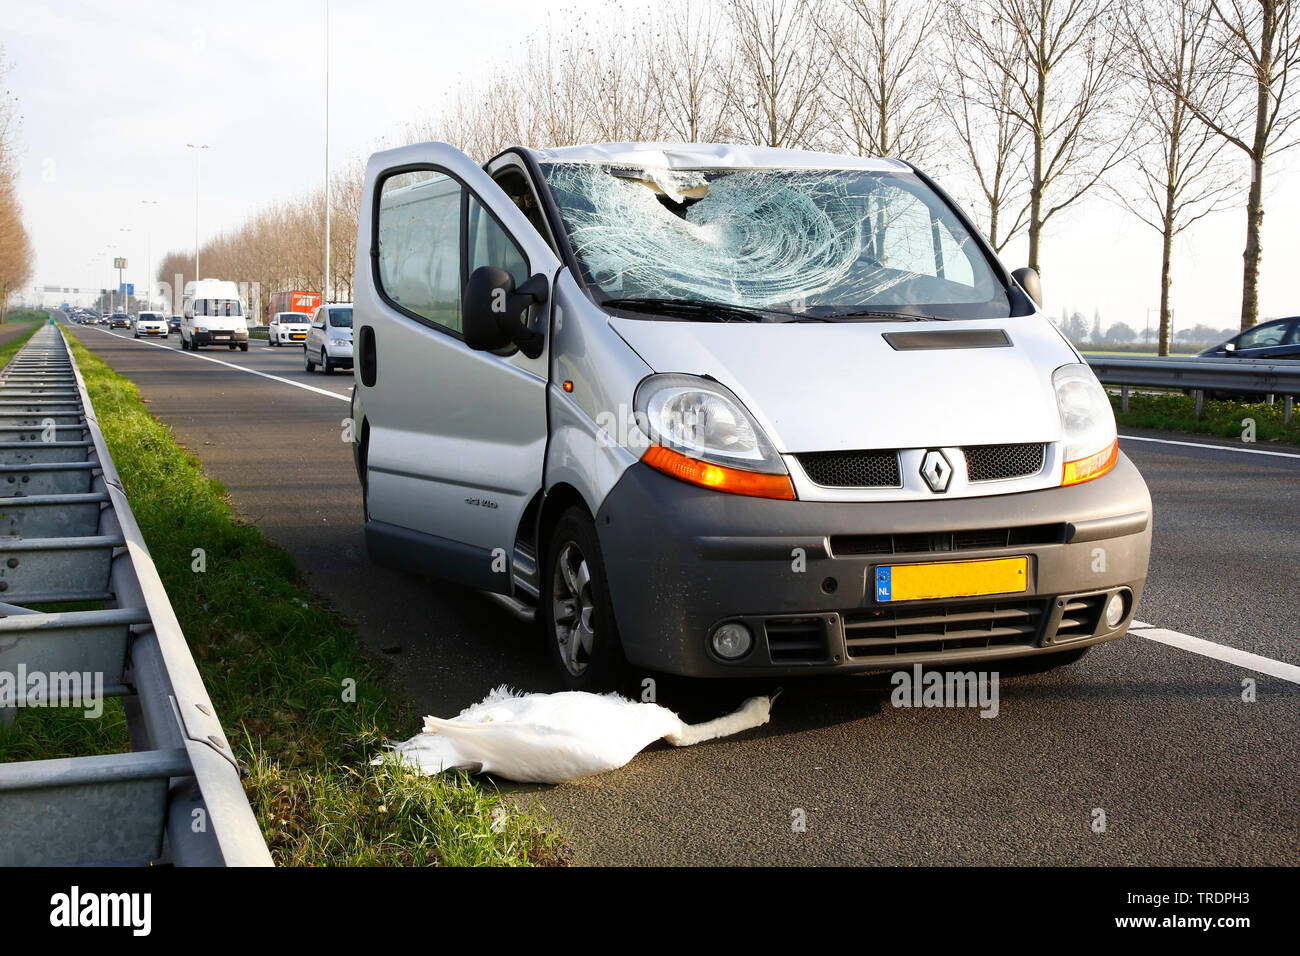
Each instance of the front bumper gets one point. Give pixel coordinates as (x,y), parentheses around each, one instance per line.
(681,560)
(155,331)
(339,354)
(220,337)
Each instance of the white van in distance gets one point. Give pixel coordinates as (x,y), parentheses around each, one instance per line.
(151,323)
(213,315)
(729,411)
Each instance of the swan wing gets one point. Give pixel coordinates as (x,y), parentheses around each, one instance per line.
(430,754)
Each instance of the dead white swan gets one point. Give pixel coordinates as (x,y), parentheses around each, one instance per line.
(551,738)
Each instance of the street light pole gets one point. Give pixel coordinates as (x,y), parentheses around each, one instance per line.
(325,292)
(197,163)
(148,256)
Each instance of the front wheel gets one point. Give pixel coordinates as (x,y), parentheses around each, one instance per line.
(306,357)
(577,611)
(325,362)
(243,346)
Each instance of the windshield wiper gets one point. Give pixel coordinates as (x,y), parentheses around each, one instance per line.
(697,309)
(883,316)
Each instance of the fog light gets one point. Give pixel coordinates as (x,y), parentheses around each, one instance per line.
(1115,609)
(731,641)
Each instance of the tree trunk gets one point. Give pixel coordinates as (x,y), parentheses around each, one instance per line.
(1037,187)
(1166,280)
(1258,151)
(1251,257)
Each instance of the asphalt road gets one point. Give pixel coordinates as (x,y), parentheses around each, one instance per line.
(1156,737)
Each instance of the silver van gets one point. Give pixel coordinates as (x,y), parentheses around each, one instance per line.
(729,411)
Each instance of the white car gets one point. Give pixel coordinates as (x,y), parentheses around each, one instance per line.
(150,323)
(329,340)
(288,328)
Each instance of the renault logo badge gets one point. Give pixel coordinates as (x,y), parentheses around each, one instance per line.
(936,471)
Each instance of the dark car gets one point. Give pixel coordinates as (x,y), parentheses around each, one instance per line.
(174,324)
(1274,339)
(120,320)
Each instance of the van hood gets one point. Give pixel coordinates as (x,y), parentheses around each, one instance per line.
(839,386)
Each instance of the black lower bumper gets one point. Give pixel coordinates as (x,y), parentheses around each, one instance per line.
(681,560)
(210,338)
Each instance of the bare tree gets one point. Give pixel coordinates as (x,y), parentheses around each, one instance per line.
(16,259)
(618,93)
(976,96)
(882,90)
(775,95)
(691,68)
(1181,175)
(1062,71)
(1259,46)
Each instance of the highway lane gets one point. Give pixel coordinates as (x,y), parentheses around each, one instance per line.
(1155,737)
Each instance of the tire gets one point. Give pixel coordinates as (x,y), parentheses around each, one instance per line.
(575,592)
(243,347)
(325,362)
(306,357)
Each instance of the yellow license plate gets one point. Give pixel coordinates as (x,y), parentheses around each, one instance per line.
(916,582)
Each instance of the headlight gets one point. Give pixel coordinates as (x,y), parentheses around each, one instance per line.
(1089,443)
(340,341)
(200,328)
(702,434)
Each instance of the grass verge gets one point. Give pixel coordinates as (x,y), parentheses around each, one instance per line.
(302,706)
(1177,413)
(26,316)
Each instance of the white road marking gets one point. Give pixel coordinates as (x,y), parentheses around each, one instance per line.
(1219,652)
(241,368)
(1199,444)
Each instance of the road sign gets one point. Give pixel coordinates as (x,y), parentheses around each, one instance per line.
(119,263)
(126,288)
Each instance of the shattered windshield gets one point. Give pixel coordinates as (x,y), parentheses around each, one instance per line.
(803,243)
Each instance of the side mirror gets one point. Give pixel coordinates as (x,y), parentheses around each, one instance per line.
(1230,347)
(1029,281)
(491,311)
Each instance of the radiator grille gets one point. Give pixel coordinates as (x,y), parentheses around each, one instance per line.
(853,469)
(890,632)
(999,462)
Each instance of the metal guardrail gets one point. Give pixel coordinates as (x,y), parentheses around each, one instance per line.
(1196,375)
(71,539)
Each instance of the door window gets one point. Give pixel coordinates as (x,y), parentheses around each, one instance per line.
(490,245)
(419,245)
(422,215)
(1262,336)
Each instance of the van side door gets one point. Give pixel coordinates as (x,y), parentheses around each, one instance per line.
(457,437)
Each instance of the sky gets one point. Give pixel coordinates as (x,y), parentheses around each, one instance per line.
(111,93)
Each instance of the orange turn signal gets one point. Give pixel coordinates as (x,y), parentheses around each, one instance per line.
(706,475)
(1094,466)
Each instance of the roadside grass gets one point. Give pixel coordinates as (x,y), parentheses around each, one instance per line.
(25,316)
(302,706)
(1172,412)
